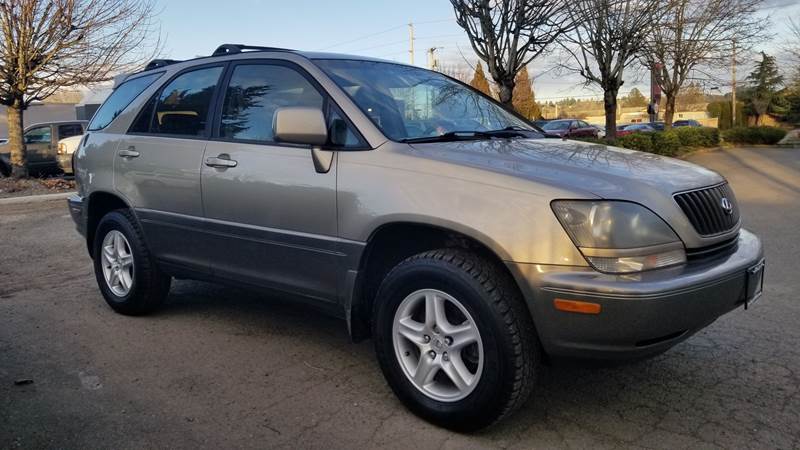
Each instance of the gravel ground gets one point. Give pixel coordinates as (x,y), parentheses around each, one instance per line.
(221,367)
(10,187)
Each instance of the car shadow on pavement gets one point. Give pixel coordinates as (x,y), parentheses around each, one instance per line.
(682,392)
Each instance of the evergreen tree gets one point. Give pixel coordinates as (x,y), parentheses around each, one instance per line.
(793,98)
(479,81)
(763,83)
(635,98)
(523,99)
(690,96)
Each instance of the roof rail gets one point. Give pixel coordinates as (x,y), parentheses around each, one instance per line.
(156,63)
(230,49)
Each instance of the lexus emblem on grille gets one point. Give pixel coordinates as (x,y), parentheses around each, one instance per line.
(726,205)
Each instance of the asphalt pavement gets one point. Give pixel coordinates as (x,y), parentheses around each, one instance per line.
(228,368)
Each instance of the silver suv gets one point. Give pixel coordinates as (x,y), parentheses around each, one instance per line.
(422,212)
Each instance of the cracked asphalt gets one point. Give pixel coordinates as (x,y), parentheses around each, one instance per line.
(224,368)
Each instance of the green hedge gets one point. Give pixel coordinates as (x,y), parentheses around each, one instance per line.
(697,137)
(667,143)
(671,142)
(754,135)
(637,141)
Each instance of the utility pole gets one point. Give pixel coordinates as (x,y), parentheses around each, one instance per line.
(411,41)
(433,64)
(733,84)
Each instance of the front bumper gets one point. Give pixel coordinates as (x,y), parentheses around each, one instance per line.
(65,163)
(641,314)
(78,212)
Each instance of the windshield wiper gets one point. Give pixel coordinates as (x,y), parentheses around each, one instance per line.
(451,136)
(511,131)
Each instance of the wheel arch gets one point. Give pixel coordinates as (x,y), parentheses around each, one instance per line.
(5,167)
(100,203)
(393,242)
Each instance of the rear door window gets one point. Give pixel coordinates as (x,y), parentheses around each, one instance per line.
(65,131)
(182,106)
(122,96)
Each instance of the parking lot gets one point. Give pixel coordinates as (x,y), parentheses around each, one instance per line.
(221,367)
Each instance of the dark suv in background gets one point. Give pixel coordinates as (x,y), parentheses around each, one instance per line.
(41,143)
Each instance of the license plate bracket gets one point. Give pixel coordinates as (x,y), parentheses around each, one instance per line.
(754,283)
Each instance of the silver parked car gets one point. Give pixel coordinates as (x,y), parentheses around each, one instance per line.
(420,211)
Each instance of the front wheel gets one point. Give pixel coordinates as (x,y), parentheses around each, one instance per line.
(454,339)
(128,277)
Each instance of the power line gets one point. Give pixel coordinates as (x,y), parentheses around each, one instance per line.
(380,46)
(363,37)
(423,38)
(367,36)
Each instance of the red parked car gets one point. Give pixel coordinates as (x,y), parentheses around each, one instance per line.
(569,128)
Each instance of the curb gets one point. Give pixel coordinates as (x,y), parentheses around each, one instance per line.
(35,198)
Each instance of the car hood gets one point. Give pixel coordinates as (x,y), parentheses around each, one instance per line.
(600,170)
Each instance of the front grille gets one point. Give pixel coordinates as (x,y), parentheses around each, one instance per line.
(704,208)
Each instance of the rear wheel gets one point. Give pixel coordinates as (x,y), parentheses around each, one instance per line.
(454,339)
(126,273)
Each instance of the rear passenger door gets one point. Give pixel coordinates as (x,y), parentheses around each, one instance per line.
(69,130)
(157,166)
(270,215)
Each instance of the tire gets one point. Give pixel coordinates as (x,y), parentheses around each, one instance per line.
(147,285)
(5,170)
(507,348)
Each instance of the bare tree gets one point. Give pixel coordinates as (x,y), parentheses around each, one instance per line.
(607,38)
(47,45)
(792,44)
(509,34)
(695,35)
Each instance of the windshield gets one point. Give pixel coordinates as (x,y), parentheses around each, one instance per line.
(408,103)
(559,125)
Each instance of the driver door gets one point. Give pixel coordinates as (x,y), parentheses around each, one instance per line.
(39,148)
(270,216)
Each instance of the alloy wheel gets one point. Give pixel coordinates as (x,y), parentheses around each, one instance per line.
(438,345)
(117,263)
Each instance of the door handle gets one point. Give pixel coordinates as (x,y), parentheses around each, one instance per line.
(222,161)
(130,152)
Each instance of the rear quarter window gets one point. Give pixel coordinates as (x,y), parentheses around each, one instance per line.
(122,96)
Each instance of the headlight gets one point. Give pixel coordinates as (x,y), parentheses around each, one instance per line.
(62,149)
(619,237)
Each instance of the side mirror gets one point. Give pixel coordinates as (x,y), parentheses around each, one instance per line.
(300,125)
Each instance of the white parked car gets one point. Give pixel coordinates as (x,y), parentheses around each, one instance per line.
(601,131)
(66,147)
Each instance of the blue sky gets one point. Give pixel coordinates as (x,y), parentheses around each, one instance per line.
(374,28)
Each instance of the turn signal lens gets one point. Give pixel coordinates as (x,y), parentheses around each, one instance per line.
(576,306)
(628,264)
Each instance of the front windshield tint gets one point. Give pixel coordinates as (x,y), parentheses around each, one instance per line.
(410,103)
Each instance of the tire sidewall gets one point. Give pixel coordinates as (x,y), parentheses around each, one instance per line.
(495,385)
(110,222)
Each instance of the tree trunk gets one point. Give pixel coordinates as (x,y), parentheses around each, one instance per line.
(669,111)
(610,106)
(16,143)
(506,93)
